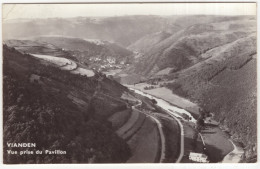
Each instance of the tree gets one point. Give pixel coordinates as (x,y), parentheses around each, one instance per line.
(200,124)
(195,137)
(154,101)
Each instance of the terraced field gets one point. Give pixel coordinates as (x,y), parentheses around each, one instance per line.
(129,124)
(141,133)
(55,60)
(172,139)
(66,64)
(145,144)
(138,124)
(118,119)
(83,72)
(63,63)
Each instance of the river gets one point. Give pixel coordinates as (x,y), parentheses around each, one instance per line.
(176,111)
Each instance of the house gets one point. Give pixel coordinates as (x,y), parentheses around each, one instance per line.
(198,157)
(111,60)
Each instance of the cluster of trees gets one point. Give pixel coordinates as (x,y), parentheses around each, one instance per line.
(149,87)
(153,81)
(33,114)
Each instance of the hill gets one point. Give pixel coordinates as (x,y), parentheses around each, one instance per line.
(89,46)
(58,110)
(123,30)
(186,47)
(214,65)
(96,54)
(145,43)
(225,84)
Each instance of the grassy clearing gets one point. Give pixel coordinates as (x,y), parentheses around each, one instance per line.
(145,144)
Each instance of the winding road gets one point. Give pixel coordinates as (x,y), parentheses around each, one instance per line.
(160,126)
(182,137)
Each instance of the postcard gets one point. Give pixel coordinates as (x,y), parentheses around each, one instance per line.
(129,83)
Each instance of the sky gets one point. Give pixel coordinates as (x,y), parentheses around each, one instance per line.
(15,11)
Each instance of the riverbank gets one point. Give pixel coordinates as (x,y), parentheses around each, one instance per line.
(234,156)
(168,96)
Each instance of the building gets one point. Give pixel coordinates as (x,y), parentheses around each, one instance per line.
(198,157)
(111,60)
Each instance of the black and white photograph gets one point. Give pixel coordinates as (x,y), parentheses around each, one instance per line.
(102,83)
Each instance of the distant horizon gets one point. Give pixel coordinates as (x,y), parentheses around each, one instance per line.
(48,11)
(126,16)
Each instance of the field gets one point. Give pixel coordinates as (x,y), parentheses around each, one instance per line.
(55,60)
(112,72)
(173,109)
(145,144)
(64,63)
(128,79)
(167,95)
(129,124)
(217,143)
(171,131)
(83,72)
(137,125)
(118,119)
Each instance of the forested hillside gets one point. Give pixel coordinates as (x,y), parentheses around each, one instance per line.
(74,48)
(225,84)
(186,47)
(58,110)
